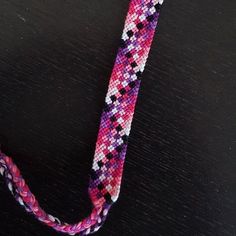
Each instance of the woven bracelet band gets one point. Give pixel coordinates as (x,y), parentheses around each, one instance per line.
(114,130)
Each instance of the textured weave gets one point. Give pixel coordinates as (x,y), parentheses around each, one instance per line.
(117,115)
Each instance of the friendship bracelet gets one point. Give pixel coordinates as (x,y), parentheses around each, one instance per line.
(114,130)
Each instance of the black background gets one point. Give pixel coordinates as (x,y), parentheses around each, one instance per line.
(55,61)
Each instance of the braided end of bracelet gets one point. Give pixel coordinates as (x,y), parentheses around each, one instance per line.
(21,192)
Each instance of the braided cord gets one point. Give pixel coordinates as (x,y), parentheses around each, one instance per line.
(116,119)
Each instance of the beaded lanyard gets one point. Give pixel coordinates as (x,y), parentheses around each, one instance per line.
(117,115)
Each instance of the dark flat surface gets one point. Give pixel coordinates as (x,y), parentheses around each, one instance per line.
(55,61)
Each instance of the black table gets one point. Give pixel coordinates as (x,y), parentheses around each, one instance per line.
(56,58)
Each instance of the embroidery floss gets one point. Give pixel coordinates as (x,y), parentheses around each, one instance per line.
(117,115)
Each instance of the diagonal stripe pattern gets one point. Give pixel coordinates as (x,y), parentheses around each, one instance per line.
(114,130)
